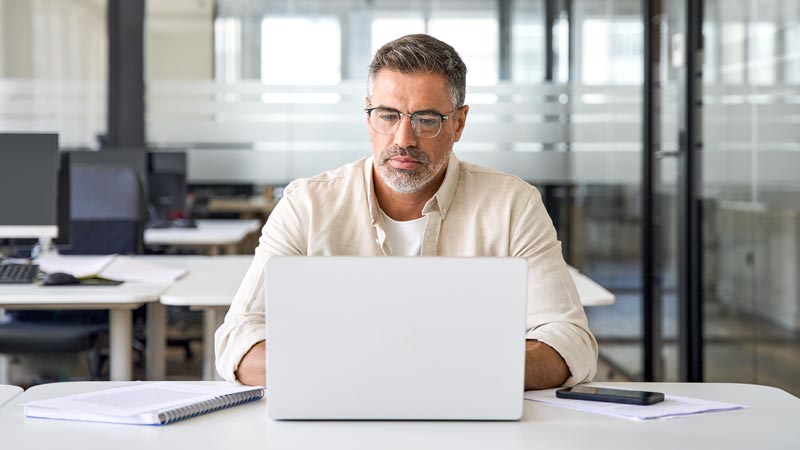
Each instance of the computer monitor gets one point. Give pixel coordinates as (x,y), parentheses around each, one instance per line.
(63,201)
(167,189)
(28,183)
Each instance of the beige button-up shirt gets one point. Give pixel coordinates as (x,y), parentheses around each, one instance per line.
(476,212)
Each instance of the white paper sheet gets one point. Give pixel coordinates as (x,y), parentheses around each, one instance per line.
(112,267)
(131,269)
(672,406)
(79,266)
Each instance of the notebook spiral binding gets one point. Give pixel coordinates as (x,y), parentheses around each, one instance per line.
(224,401)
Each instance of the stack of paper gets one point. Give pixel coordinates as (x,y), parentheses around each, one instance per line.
(132,269)
(672,406)
(78,266)
(112,267)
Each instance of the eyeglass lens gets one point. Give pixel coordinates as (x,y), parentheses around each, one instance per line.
(386,121)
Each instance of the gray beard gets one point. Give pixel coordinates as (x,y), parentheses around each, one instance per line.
(407,181)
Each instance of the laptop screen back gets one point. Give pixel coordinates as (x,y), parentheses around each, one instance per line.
(395,338)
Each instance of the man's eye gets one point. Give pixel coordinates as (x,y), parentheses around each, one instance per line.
(388,117)
(427,121)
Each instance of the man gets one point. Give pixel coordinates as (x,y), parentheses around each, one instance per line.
(414,197)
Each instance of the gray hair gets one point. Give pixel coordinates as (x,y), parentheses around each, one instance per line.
(417,53)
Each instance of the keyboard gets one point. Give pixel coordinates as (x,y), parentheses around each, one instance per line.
(18,273)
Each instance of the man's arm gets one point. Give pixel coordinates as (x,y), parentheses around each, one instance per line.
(544,367)
(252,369)
(555,315)
(238,336)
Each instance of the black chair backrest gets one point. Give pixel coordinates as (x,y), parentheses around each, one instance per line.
(106,210)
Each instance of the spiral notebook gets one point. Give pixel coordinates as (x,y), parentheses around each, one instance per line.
(157,403)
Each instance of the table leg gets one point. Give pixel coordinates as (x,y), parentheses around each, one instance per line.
(120,338)
(155,354)
(212,319)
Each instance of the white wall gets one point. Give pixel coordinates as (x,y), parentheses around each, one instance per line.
(180,40)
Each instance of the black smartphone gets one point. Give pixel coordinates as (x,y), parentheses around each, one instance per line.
(601,394)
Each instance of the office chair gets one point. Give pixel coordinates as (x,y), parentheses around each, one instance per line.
(107,211)
(106,217)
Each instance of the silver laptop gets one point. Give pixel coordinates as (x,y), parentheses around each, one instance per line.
(395,338)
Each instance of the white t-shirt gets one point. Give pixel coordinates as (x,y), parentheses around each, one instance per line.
(405,237)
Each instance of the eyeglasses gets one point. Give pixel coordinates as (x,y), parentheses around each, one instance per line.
(426,124)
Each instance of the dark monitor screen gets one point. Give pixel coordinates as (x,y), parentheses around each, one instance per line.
(28,185)
(167,186)
(63,200)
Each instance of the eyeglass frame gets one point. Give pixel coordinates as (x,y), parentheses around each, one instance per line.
(411,119)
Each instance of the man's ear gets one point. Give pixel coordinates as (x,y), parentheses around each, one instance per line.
(461,121)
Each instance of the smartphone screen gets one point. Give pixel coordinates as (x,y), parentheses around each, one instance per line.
(601,394)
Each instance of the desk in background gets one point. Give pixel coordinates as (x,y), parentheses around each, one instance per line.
(215,236)
(590,292)
(770,422)
(212,283)
(256,207)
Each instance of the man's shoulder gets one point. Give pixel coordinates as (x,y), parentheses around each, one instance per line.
(330,179)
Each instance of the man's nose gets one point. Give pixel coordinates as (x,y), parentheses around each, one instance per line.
(404,135)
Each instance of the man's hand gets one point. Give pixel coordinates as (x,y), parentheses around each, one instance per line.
(253,366)
(544,367)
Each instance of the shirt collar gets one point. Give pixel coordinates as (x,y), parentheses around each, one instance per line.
(441,199)
(372,200)
(444,196)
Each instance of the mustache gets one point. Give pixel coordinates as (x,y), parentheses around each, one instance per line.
(412,152)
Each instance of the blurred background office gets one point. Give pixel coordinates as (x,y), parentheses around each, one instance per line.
(667,154)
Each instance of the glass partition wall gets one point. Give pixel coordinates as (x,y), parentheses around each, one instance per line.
(556,95)
(751,192)
(54,68)
(263,92)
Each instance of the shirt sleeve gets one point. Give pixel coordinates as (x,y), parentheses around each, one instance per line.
(555,315)
(244,323)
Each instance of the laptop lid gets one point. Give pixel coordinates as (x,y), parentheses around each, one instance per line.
(418,338)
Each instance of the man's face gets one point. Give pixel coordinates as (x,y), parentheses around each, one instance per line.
(403,161)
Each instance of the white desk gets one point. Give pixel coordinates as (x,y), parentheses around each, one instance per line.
(769,423)
(120,301)
(212,234)
(7,392)
(590,292)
